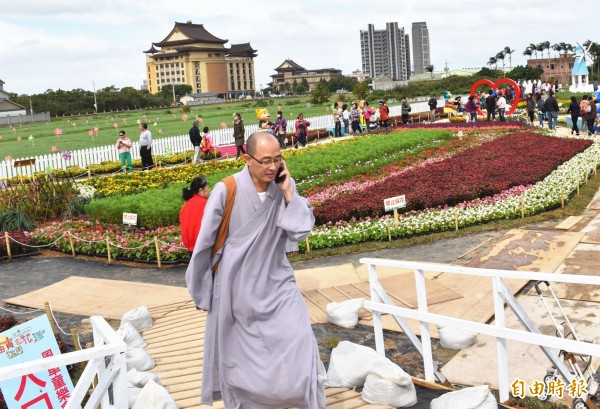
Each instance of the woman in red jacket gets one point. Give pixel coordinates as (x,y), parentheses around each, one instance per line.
(190,215)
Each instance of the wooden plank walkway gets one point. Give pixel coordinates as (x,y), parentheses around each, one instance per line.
(176,342)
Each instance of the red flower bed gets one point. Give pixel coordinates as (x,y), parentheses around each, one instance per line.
(520,158)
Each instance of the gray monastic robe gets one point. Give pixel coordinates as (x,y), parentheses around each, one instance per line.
(259,348)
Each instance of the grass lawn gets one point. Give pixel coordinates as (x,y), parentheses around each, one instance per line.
(75,130)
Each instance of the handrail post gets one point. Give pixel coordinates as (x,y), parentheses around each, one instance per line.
(377,325)
(425,335)
(500,321)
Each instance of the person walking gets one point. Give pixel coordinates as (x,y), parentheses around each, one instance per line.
(575,111)
(280,129)
(541,108)
(146,147)
(259,347)
(405,110)
(551,105)
(490,106)
(190,215)
(432,107)
(355,118)
(531,107)
(238,134)
(196,140)
(124,145)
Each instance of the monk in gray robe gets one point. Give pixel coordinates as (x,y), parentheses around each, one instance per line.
(259,348)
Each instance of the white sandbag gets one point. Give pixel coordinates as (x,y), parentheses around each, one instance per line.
(154,396)
(132,338)
(137,358)
(388,384)
(139,317)
(477,397)
(456,339)
(140,379)
(350,364)
(132,394)
(345,313)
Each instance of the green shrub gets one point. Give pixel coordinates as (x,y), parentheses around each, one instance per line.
(16,220)
(185,108)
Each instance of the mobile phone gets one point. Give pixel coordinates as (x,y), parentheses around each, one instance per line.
(279,177)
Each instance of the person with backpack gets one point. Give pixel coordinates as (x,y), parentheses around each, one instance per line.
(405,110)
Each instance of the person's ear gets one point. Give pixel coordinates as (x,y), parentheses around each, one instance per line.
(247,158)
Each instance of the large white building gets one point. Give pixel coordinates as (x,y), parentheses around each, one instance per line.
(385,52)
(420,46)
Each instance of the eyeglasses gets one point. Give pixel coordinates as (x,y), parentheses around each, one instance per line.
(268,162)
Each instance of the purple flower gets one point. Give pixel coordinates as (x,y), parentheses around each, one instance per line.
(66,155)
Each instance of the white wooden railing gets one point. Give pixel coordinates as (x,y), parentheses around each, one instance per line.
(174,144)
(106,361)
(382,303)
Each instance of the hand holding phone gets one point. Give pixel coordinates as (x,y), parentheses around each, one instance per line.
(279,177)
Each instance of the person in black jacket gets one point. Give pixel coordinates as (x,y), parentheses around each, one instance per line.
(551,105)
(490,106)
(575,112)
(432,106)
(196,140)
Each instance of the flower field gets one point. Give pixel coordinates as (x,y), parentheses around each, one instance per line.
(520,158)
(487,173)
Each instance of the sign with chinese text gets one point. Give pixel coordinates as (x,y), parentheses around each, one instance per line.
(394,203)
(130,219)
(47,389)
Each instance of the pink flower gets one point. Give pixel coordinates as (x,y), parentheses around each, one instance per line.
(184,117)
(116,125)
(55,148)
(223,125)
(14,129)
(91,132)
(58,132)
(1,136)
(19,138)
(8,158)
(96,130)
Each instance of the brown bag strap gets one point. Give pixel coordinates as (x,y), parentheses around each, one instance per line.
(231,186)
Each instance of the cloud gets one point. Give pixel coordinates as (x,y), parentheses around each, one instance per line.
(67,43)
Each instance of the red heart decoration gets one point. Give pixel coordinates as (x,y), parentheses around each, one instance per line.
(494,85)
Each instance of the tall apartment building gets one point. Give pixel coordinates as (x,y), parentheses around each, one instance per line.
(420,46)
(191,55)
(385,52)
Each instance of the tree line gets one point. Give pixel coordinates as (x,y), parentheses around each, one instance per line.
(111,98)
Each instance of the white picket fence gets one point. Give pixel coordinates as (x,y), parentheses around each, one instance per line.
(174,144)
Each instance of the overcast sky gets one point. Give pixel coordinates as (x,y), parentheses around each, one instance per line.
(67,44)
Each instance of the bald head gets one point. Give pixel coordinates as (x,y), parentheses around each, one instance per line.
(257,139)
